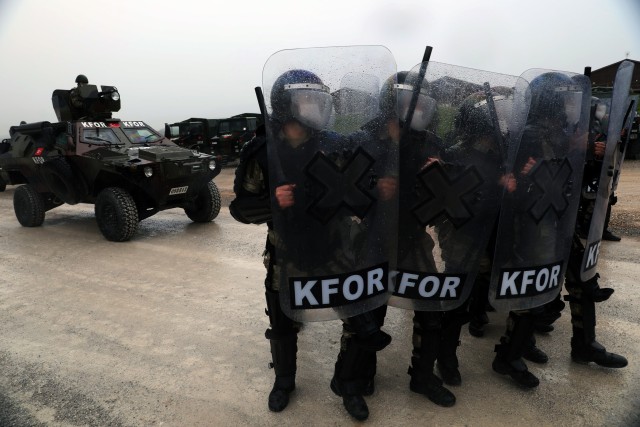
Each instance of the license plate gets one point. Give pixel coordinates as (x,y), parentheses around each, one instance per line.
(178,190)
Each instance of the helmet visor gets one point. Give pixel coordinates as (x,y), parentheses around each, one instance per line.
(572,103)
(504,111)
(311,105)
(425,107)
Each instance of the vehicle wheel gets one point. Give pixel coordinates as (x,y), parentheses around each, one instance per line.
(206,206)
(62,182)
(29,206)
(116,214)
(3,185)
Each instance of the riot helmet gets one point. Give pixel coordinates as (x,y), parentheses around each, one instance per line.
(300,95)
(82,80)
(474,117)
(395,99)
(555,96)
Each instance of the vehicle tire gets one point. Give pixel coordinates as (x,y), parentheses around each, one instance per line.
(206,206)
(116,214)
(28,205)
(63,183)
(3,185)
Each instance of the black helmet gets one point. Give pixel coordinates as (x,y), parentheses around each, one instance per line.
(300,95)
(395,99)
(554,95)
(474,118)
(82,79)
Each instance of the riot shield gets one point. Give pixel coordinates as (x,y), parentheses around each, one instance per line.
(452,167)
(630,116)
(329,222)
(537,218)
(619,106)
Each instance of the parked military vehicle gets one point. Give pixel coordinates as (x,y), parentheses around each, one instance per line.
(125,168)
(222,138)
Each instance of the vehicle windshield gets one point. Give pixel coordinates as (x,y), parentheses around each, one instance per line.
(99,136)
(141,135)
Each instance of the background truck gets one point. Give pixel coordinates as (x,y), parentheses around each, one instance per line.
(222,138)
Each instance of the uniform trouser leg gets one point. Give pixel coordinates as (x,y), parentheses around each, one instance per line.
(427,337)
(283,337)
(355,365)
(509,352)
(478,305)
(452,322)
(582,298)
(367,370)
(584,347)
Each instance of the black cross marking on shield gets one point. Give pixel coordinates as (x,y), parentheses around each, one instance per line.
(553,178)
(446,194)
(341,186)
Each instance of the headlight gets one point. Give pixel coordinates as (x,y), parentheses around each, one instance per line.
(115,96)
(212,164)
(148,171)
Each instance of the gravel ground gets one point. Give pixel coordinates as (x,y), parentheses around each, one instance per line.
(168,330)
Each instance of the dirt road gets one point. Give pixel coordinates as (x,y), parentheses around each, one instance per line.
(168,329)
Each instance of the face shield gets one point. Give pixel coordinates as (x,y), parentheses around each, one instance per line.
(572,103)
(504,111)
(601,111)
(425,107)
(311,104)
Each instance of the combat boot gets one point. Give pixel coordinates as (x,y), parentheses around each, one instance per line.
(516,369)
(423,381)
(509,352)
(595,352)
(352,399)
(279,395)
(533,353)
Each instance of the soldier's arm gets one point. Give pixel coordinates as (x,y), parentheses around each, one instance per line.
(252,204)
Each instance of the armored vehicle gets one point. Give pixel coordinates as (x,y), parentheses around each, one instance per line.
(125,168)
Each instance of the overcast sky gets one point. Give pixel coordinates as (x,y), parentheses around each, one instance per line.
(172,60)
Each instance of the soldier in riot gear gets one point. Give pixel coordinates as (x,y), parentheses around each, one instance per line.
(475,138)
(583,294)
(417,148)
(593,167)
(552,119)
(301,108)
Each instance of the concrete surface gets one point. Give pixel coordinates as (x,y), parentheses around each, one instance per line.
(168,330)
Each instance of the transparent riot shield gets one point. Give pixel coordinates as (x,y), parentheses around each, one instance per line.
(330,221)
(630,116)
(452,176)
(537,217)
(616,119)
